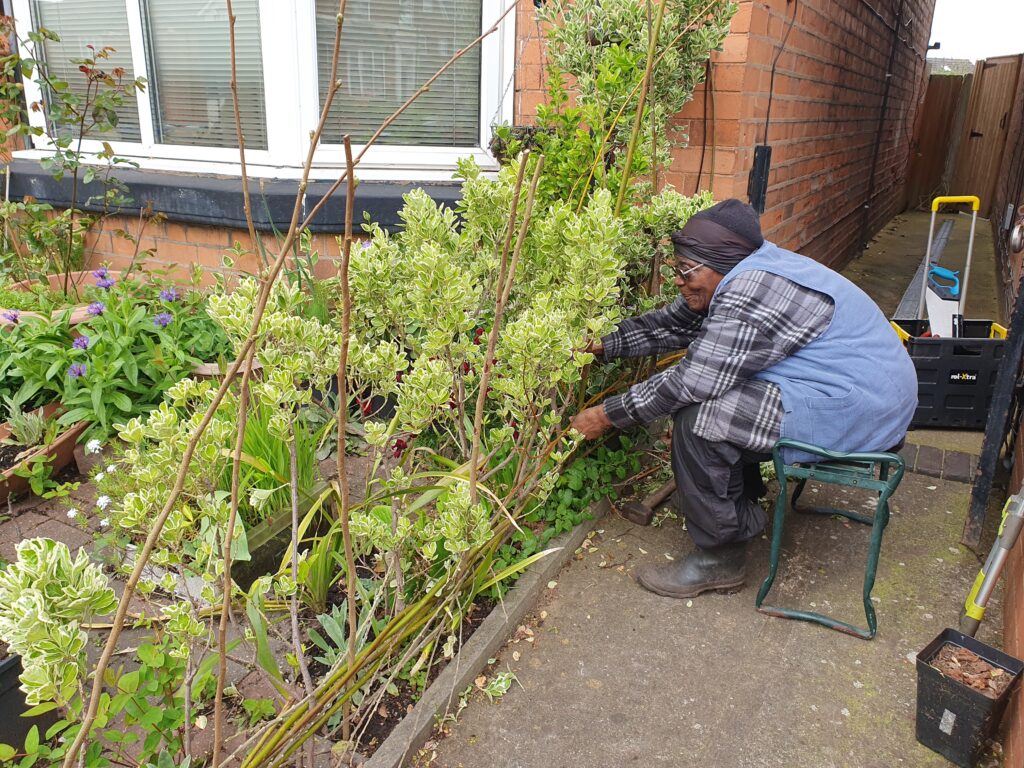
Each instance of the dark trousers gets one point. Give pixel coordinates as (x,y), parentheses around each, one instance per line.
(718,485)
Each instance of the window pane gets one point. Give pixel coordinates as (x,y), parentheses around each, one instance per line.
(80,24)
(389,48)
(190,72)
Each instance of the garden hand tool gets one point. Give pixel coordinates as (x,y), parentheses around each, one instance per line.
(957,320)
(642,512)
(984,584)
(942,300)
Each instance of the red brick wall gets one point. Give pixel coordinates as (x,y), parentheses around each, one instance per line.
(177,247)
(825,115)
(1010,191)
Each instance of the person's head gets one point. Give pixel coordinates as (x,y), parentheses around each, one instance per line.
(711,243)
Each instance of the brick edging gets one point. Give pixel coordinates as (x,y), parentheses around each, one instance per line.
(940,463)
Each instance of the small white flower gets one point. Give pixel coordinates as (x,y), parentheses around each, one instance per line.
(111,468)
(93,446)
(103,502)
(105,522)
(72,513)
(99,477)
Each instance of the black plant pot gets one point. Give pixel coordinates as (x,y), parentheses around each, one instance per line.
(952,718)
(13,727)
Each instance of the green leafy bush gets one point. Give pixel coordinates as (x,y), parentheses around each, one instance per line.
(47,595)
(139,340)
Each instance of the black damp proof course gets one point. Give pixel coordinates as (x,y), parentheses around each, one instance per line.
(217,201)
(952,718)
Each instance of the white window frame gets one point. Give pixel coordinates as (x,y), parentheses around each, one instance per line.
(293,104)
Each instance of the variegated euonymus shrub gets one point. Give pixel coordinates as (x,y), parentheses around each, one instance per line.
(423,306)
(47,596)
(295,354)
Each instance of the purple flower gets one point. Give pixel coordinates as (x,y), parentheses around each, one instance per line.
(106,283)
(11,316)
(101,274)
(96,308)
(76,370)
(169,294)
(163,319)
(81,342)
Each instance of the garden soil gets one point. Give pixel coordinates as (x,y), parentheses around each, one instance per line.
(615,676)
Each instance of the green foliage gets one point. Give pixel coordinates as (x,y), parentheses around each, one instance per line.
(37,299)
(35,240)
(332,639)
(85,108)
(39,473)
(137,346)
(581,484)
(603,46)
(498,685)
(257,710)
(45,597)
(28,428)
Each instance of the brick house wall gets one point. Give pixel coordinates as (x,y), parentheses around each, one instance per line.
(826,122)
(1009,191)
(826,115)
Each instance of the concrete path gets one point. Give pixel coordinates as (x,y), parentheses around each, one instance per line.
(616,676)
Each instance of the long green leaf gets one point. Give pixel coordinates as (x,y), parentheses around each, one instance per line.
(513,569)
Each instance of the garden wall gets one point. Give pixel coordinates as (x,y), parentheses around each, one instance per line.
(178,246)
(1009,192)
(832,106)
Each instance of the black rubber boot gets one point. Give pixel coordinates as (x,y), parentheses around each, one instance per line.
(701,571)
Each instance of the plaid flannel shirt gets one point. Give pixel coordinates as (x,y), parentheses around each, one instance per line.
(756,320)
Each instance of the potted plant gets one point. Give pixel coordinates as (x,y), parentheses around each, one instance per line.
(14,726)
(963,686)
(33,439)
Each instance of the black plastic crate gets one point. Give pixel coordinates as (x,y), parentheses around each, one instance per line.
(952,718)
(955,377)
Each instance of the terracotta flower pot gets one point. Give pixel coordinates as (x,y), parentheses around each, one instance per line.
(62,450)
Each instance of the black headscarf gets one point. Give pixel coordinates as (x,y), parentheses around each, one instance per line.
(720,237)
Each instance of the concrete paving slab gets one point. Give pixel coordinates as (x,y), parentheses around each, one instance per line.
(618,676)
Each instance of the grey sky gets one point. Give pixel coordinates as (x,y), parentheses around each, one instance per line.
(977,29)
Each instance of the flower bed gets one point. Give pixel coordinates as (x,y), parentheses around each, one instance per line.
(470,325)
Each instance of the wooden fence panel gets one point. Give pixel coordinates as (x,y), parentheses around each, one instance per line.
(985,130)
(936,138)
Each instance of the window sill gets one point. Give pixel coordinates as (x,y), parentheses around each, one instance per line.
(213,200)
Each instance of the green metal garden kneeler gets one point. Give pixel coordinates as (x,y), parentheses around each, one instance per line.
(879,471)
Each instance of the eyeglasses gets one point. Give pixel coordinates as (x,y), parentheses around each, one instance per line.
(683,273)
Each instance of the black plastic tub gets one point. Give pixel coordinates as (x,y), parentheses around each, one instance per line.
(952,718)
(13,727)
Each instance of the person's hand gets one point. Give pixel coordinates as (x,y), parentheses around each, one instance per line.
(595,347)
(591,422)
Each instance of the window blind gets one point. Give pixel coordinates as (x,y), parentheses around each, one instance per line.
(389,48)
(189,55)
(80,23)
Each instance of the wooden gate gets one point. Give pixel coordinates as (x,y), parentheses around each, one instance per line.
(985,129)
(936,138)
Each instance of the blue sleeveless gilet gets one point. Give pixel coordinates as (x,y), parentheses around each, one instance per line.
(854,388)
